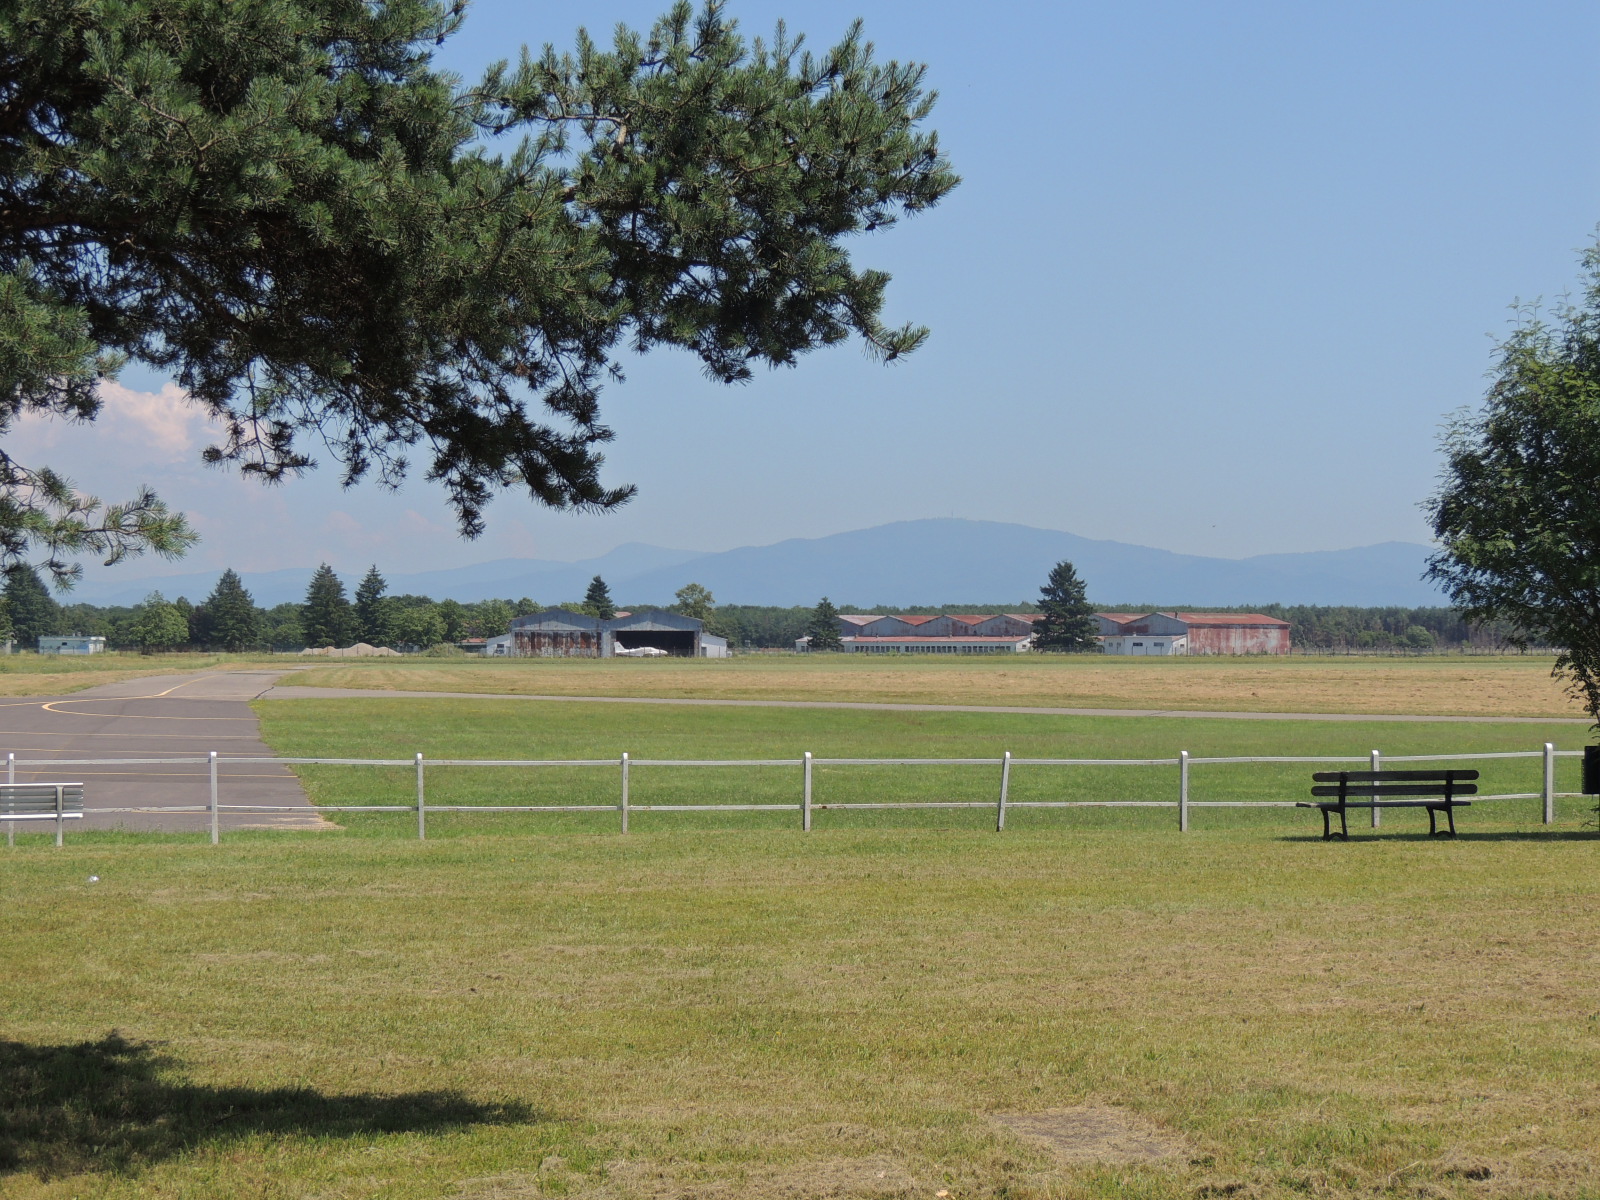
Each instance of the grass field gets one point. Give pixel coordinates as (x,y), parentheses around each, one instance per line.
(58,674)
(720,1007)
(767,1015)
(1432,685)
(573,730)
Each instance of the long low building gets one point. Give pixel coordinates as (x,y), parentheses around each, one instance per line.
(1167,633)
(891,633)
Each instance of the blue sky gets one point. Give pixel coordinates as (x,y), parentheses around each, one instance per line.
(1215,276)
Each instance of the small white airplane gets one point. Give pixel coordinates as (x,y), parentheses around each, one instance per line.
(642,652)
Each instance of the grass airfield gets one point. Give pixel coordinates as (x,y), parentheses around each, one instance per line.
(718,1006)
(1433,685)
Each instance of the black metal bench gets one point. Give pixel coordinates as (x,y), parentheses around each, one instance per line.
(56,802)
(1435,791)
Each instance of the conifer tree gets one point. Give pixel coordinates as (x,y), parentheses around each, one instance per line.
(286,206)
(374,609)
(232,621)
(1068,622)
(327,619)
(597,600)
(33,613)
(824,627)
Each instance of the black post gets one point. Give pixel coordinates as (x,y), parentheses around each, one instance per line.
(1591,770)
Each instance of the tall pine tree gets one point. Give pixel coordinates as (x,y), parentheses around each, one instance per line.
(232,621)
(597,600)
(327,618)
(823,628)
(1068,623)
(287,205)
(374,609)
(33,613)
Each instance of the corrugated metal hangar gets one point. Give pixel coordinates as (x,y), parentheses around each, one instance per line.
(562,633)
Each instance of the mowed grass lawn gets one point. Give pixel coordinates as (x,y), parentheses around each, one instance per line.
(1477,685)
(762,1014)
(719,1006)
(531,729)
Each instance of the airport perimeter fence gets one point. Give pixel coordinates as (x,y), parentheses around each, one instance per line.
(805,802)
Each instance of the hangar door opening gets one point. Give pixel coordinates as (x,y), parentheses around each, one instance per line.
(673,641)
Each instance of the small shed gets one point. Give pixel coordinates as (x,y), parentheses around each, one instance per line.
(72,644)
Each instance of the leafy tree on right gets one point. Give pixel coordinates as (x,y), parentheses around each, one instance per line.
(1517,513)
(1068,622)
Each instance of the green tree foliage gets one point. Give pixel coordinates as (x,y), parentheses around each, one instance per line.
(419,625)
(374,609)
(526,606)
(282,628)
(454,619)
(286,207)
(1517,514)
(490,618)
(327,618)
(1068,623)
(597,600)
(228,618)
(694,600)
(823,628)
(33,613)
(160,625)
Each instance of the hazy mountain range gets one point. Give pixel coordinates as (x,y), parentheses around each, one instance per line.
(905,563)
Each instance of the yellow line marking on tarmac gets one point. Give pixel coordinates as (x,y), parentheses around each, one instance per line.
(215,737)
(51,708)
(167,774)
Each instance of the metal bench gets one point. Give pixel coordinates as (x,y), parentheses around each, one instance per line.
(1435,791)
(58,802)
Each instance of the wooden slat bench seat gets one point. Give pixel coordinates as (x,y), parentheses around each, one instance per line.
(56,802)
(1435,791)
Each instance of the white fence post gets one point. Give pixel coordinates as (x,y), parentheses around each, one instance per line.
(216,833)
(1183,791)
(11,777)
(1549,783)
(1005,786)
(624,805)
(422,803)
(60,814)
(805,802)
(1377,761)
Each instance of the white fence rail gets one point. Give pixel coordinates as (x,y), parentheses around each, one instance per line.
(803,806)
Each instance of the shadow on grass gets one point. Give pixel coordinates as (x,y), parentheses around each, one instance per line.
(1519,835)
(113,1105)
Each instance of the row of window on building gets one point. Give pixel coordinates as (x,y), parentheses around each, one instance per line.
(1139,634)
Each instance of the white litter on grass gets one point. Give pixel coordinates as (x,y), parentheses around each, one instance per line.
(94,879)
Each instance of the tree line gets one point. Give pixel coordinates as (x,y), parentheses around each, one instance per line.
(228,619)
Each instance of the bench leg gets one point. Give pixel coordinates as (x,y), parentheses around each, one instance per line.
(1344,827)
(1327,833)
(1449,816)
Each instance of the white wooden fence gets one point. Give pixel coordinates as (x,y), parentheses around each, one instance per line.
(804,804)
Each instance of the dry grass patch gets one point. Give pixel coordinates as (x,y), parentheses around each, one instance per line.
(1438,686)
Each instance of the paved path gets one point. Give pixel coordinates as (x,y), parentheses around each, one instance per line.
(319,693)
(162,716)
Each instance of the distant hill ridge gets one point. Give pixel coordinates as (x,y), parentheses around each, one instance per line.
(930,562)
